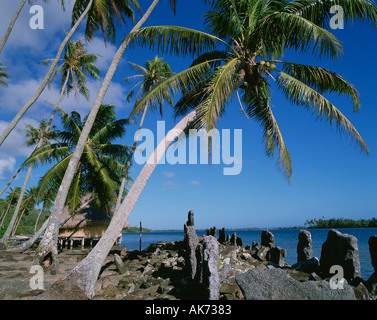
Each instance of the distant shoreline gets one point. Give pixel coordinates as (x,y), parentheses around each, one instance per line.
(250,229)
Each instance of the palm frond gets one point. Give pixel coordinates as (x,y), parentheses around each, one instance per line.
(179,81)
(302,95)
(175,40)
(322,80)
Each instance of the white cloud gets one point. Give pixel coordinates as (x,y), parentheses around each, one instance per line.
(16,95)
(194,182)
(6,165)
(168,174)
(15,143)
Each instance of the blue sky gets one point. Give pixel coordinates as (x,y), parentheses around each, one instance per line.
(331,177)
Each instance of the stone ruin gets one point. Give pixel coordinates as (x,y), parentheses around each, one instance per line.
(202,260)
(202,257)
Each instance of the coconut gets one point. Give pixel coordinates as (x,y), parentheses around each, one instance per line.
(273,67)
(262,63)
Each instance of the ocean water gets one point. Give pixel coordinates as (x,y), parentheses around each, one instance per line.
(284,238)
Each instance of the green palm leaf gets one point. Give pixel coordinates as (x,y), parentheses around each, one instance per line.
(302,95)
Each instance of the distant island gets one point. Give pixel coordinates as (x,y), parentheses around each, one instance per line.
(323,223)
(136,230)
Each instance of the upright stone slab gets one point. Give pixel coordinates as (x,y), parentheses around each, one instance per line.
(210,268)
(267,239)
(222,235)
(212,232)
(277,255)
(373,251)
(119,264)
(304,247)
(340,249)
(233,239)
(191,241)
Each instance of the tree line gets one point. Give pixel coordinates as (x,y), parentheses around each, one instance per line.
(323,223)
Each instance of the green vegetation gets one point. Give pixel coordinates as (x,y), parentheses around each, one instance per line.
(136,230)
(323,223)
(26,225)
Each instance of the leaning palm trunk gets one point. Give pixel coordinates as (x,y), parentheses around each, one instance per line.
(27,244)
(7,234)
(46,79)
(48,247)
(17,223)
(15,175)
(13,225)
(85,274)
(11,25)
(36,222)
(5,213)
(128,164)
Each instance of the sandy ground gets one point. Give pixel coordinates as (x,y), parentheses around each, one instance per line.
(16,272)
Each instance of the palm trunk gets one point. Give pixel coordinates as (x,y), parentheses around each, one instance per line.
(6,236)
(27,244)
(17,223)
(128,164)
(85,274)
(36,222)
(48,245)
(45,81)
(47,128)
(11,25)
(16,174)
(6,212)
(14,225)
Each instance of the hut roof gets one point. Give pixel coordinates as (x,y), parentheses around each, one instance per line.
(88,217)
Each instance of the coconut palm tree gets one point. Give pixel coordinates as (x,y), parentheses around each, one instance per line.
(10,200)
(253,31)
(75,68)
(47,201)
(104,16)
(154,71)
(28,203)
(3,75)
(40,136)
(46,79)
(99,170)
(61,197)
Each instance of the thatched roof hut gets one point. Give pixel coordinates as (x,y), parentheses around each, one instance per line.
(89,224)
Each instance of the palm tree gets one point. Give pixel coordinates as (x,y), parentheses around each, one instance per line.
(77,65)
(154,71)
(3,75)
(61,197)
(29,201)
(47,201)
(271,27)
(47,77)
(40,137)
(99,170)
(10,200)
(104,15)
